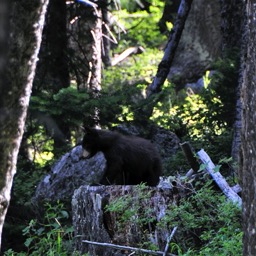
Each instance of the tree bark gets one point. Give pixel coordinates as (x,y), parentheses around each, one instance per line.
(200,43)
(52,72)
(86,40)
(231,21)
(22,41)
(248,139)
(106,58)
(170,9)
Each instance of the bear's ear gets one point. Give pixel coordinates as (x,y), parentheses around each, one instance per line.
(89,131)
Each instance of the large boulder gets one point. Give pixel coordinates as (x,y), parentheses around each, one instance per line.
(68,174)
(166,141)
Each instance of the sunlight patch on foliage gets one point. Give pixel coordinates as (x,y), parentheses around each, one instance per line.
(138,25)
(126,112)
(136,68)
(43,157)
(40,147)
(207,79)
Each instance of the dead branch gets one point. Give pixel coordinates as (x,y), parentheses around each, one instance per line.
(237,188)
(218,178)
(121,247)
(126,53)
(168,241)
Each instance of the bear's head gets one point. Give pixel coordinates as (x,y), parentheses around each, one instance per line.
(89,143)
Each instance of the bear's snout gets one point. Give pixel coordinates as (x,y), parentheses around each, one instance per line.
(85,154)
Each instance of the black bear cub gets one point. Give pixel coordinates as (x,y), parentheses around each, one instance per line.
(130,160)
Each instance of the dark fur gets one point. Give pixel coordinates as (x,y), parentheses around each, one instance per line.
(130,160)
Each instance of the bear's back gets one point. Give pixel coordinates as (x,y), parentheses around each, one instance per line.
(138,158)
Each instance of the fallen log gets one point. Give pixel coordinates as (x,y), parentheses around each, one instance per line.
(218,178)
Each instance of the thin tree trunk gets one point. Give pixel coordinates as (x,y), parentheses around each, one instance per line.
(231,27)
(248,138)
(86,40)
(52,71)
(20,57)
(105,39)
(165,64)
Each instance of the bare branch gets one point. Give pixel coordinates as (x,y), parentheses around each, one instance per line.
(169,240)
(174,38)
(219,179)
(121,247)
(126,53)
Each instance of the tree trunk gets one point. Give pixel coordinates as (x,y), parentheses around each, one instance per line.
(231,27)
(248,139)
(93,222)
(170,9)
(52,72)
(106,58)
(199,45)
(86,39)
(174,39)
(19,57)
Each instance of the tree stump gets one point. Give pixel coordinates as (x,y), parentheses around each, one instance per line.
(93,222)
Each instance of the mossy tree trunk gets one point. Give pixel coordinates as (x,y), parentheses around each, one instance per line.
(20,38)
(248,139)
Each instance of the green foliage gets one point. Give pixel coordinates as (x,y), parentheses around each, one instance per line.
(67,104)
(127,208)
(203,115)
(207,223)
(205,119)
(142,27)
(25,182)
(134,210)
(138,69)
(48,237)
(112,106)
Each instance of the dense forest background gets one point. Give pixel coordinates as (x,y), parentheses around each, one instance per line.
(96,64)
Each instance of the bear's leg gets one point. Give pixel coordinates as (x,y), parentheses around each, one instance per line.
(113,175)
(154,173)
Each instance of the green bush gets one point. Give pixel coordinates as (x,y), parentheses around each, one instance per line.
(207,224)
(49,237)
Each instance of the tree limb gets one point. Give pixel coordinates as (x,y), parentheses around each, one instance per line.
(126,53)
(219,179)
(121,247)
(174,38)
(169,240)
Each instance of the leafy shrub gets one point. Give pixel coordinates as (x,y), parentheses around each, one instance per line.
(207,223)
(48,237)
